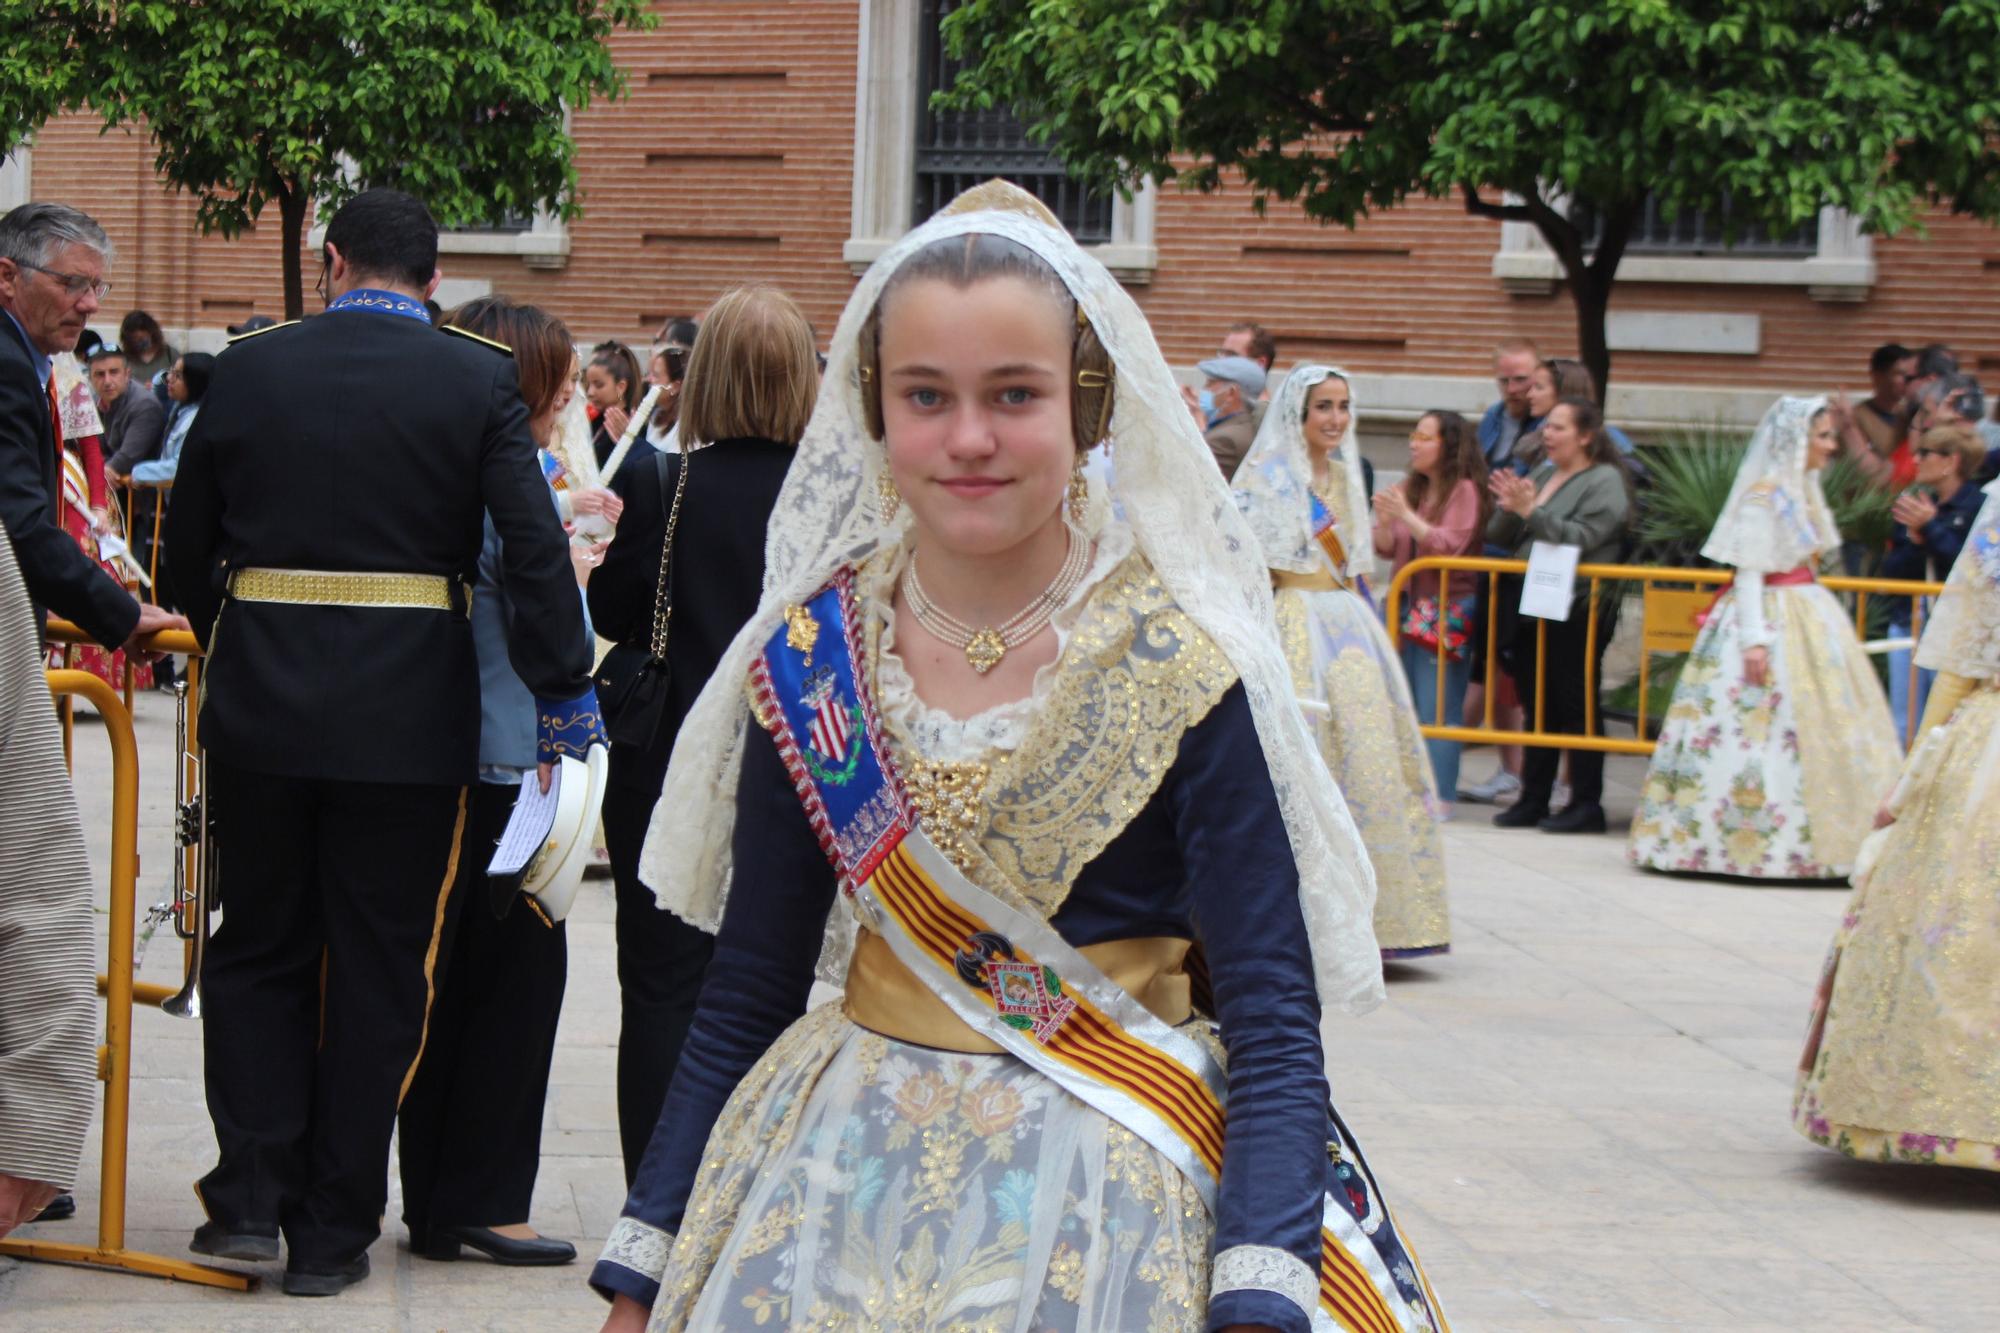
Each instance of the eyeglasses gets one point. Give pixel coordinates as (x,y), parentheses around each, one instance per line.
(1925,451)
(319,284)
(1513,379)
(73,284)
(1425,437)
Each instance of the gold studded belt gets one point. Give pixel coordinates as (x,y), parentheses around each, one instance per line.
(312,587)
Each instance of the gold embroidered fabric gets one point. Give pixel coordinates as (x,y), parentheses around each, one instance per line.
(1900,1063)
(859,1183)
(1367,731)
(311,587)
(1136,674)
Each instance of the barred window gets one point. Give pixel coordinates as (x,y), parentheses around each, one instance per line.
(1694,231)
(958,149)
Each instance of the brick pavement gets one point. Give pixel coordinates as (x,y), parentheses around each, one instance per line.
(1581,1113)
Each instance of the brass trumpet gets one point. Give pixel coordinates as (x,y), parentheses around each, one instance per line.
(194,861)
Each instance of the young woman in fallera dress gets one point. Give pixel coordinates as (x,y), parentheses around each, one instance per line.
(1300,488)
(1047,743)
(1900,1063)
(1778,741)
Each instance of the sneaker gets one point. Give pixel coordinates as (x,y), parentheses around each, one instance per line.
(1489,792)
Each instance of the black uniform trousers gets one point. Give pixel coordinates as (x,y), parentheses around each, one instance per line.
(661,962)
(1563,694)
(470,1132)
(315,994)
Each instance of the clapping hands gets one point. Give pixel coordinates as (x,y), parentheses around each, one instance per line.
(1514,494)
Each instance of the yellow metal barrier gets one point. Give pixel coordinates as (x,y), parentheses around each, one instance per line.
(115,1061)
(1669,625)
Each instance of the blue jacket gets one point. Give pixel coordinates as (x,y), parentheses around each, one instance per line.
(1489,433)
(1944,537)
(506,704)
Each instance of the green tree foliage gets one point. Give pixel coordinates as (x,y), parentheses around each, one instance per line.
(1514,106)
(40,60)
(251,102)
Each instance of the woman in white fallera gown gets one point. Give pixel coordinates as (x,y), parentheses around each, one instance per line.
(1900,1063)
(1779,741)
(1301,489)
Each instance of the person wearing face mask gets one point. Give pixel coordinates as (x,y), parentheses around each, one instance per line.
(1000,752)
(1778,741)
(146,348)
(1301,490)
(1230,385)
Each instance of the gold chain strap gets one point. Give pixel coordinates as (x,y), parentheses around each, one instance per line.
(663,602)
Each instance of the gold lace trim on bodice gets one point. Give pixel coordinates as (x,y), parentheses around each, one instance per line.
(1136,674)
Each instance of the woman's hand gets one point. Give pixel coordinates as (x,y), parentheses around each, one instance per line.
(1392,506)
(627,1316)
(100,521)
(583,559)
(1757,667)
(1913,511)
(597,500)
(616,419)
(1514,494)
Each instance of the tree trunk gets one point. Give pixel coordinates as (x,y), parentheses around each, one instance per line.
(1589,278)
(292,211)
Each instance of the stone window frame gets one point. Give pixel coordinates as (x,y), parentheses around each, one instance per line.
(885,153)
(17,177)
(1841,270)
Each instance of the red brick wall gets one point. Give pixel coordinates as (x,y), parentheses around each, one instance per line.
(732,161)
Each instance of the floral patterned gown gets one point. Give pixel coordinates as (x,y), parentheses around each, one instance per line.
(856,1180)
(1778,781)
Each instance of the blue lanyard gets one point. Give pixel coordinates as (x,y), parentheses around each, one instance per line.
(374,298)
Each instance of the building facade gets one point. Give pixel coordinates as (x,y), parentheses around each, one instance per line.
(789,142)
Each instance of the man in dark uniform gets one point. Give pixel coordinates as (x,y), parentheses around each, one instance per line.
(53,259)
(326,525)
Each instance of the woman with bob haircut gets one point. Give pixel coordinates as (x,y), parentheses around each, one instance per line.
(750,387)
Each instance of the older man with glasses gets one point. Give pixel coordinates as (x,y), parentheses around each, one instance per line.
(53,261)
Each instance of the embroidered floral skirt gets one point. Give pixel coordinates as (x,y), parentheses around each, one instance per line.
(1367,732)
(855,1182)
(1902,1056)
(1779,781)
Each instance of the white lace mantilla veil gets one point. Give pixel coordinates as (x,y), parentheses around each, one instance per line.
(1273,482)
(1166,490)
(1776,517)
(1963,636)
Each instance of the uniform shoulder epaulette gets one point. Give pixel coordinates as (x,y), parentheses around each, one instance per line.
(235,338)
(457,332)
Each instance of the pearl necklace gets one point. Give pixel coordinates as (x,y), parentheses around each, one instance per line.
(984,647)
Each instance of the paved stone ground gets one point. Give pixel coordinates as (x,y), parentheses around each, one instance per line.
(1581,1112)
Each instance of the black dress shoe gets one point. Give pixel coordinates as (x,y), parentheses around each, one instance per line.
(1576,817)
(61,1209)
(310,1279)
(444,1243)
(223,1240)
(1522,814)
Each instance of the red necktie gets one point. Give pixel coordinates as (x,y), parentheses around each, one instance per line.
(55,429)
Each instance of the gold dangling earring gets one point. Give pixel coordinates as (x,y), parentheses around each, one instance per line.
(1079,494)
(887,495)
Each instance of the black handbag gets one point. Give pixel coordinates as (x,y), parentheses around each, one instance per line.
(632,679)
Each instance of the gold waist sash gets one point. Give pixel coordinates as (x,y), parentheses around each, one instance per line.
(884,997)
(1320,580)
(311,587)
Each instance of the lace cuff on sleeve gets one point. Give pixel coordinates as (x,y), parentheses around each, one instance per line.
(1749,599)
(636,1246)
(1266,1268)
